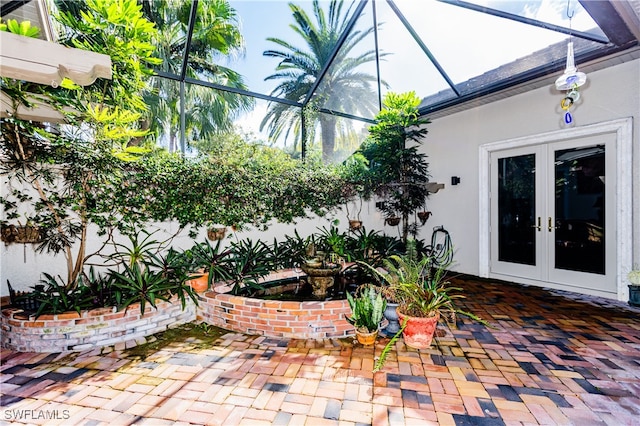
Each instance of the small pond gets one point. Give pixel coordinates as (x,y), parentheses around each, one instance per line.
(287,308)
(297,288)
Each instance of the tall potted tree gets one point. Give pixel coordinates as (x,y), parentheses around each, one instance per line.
(398,171)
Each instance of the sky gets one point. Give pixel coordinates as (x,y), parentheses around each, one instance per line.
(465,43)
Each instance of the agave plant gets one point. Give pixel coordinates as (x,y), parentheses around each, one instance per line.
(211,259)
(137,283)
(249,262)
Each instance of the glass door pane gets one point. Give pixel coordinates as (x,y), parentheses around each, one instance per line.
(579,209)
(516,209)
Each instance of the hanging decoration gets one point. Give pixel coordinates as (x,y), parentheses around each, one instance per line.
(571,79)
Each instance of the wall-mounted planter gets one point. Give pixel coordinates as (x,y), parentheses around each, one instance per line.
(216,233)
(423,216)
(355,224)
(22,234)
(393,221)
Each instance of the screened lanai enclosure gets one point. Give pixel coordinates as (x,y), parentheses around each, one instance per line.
(309,76)
(529,107)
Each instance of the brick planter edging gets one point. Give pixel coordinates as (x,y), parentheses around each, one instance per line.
(102,327)
(91,329)
(273,318)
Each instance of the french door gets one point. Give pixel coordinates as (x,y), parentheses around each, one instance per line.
(552,212)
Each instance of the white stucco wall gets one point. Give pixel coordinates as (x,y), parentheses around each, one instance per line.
(453,144)
(23,267)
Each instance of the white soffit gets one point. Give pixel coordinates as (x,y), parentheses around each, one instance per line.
(44,62)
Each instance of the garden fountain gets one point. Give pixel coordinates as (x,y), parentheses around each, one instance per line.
(321,277)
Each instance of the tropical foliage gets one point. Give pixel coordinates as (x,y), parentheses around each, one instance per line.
(367,308)
(344,87)
(139,273)
(22,28)
(62,178)
(245,185)
(97,169)
(398,172)
(208,113)
(419,286)
(144,270)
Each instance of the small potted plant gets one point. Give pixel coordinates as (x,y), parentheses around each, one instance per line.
(423,216)
(367,306)
(393,220)
(634,287)
(217,232)
(209,264)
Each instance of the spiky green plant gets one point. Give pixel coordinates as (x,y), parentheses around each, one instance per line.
(367,306)
(420,289)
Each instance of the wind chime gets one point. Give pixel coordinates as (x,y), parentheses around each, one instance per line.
(571,80)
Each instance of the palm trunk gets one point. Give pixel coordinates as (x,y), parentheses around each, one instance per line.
(328,134)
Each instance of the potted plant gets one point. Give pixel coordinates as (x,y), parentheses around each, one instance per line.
(423,216)
(354,171)
(423,295)
(393,220)
(210,263)
(367,306)
(634,287)
(355,224)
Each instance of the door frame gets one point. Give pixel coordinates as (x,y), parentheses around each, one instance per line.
(623,130)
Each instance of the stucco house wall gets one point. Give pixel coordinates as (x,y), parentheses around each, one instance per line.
(453,148)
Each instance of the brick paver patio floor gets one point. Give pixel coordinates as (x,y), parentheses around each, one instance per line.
(551,358)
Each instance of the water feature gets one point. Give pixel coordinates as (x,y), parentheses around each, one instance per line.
(287,308)
(302,288)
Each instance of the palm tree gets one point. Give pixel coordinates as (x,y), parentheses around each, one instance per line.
(216,35)
(344,88)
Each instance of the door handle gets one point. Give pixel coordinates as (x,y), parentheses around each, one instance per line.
(538,226)
(550,224)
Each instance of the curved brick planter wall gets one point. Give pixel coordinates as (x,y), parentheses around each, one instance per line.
(272,318)
(71,331)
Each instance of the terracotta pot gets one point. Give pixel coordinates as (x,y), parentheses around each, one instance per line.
(366,338)
(216,233)
(355,224)
(419,331)
(393,221)
(201,283)
(423,216)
